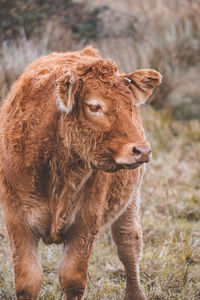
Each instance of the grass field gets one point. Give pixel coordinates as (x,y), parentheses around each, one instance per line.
(159,34)
(170,215)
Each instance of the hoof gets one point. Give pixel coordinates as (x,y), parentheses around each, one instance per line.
(134,296)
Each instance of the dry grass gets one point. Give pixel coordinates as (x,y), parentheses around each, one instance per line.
(168,40)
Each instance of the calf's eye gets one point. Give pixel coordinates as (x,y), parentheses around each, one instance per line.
(95,108)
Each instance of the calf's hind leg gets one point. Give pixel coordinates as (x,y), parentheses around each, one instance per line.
(27,270)
(127,234)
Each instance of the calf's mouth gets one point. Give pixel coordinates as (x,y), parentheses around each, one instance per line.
(111,166)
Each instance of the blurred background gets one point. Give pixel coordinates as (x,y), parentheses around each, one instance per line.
(159,34)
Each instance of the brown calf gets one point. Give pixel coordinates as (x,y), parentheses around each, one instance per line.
(72,156)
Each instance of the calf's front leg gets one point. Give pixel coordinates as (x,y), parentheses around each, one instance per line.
(127,234)
(79,239)
(73,266)
(27,270)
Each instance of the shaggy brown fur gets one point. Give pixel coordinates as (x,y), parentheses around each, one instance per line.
(72,154)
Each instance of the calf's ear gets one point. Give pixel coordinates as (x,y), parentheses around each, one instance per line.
(68,86)
(142,83)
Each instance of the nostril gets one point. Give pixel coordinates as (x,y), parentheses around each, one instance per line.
(136,151)
(142,153)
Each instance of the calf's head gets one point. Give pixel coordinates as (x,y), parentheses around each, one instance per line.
(101,110)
